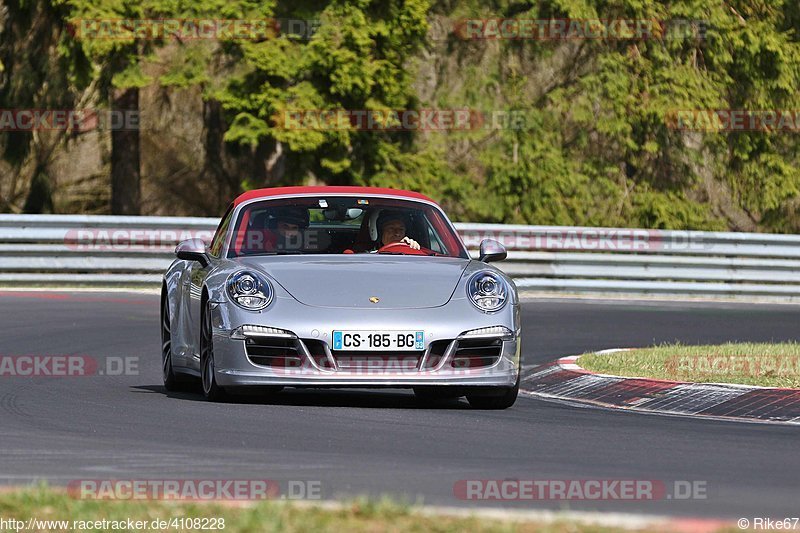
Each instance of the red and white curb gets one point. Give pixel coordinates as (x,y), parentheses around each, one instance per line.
(564,379)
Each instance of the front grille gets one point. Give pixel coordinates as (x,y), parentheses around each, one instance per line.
(273,352)
(378,361)
(291,353)
(477,353)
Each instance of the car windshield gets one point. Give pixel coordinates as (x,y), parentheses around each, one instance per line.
(343,225)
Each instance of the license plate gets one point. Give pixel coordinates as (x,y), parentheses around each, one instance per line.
(363,341)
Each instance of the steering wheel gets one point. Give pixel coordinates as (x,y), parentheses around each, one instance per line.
(404,248)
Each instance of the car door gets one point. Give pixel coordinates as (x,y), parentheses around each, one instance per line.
(194,282)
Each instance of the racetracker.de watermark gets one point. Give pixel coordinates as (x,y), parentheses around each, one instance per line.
(579,29)
(588,239)
(733,120)
(131,238)
(70,120)
(67,366)
(457,119)
(398,365)
(183,29)
(735,365)
(578,490)
(194,489)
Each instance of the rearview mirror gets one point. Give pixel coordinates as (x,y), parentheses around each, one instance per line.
(491,250)
(339,214)
(192,250)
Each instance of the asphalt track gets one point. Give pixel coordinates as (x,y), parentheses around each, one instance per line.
(386,442)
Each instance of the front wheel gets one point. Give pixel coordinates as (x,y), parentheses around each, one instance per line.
(211,390)
(168,374)
(503,399)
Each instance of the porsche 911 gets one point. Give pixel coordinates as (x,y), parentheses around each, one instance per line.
(337,287)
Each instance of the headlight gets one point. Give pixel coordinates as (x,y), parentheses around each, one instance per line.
(487,291)
(250,290)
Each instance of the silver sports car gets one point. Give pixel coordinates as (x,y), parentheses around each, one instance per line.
(340,287)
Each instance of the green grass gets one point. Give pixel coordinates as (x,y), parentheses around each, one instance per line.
(767,365)
(45,503)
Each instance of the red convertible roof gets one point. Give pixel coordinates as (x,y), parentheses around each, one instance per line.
(355,191)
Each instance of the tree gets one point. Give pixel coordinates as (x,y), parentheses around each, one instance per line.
(599,144)
(117,72)
(40,68)
(357,60)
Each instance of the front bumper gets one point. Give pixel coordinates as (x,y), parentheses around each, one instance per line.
(297,351)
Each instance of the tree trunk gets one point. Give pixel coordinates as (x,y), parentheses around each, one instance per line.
(125,172)
(269,162)
(40,196)
(226,183)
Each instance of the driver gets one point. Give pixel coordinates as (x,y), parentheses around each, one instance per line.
(288,223)
(392,229)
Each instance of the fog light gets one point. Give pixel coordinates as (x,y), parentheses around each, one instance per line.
(492,331)
(249,330)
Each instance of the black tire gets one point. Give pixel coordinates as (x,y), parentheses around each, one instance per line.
(502,399)
(211,390)
(171,382)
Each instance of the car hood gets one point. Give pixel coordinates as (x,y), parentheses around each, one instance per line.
(350,281)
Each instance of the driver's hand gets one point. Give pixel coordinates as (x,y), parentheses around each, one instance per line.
(411,242)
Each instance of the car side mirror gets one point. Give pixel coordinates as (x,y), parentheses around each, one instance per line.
(193,250)
(491,250)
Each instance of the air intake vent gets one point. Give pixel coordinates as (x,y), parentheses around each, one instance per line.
(436,351)
(273,352)
(477,353)
(316,349)
(377,361)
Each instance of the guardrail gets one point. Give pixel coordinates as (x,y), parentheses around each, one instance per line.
(134,251)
